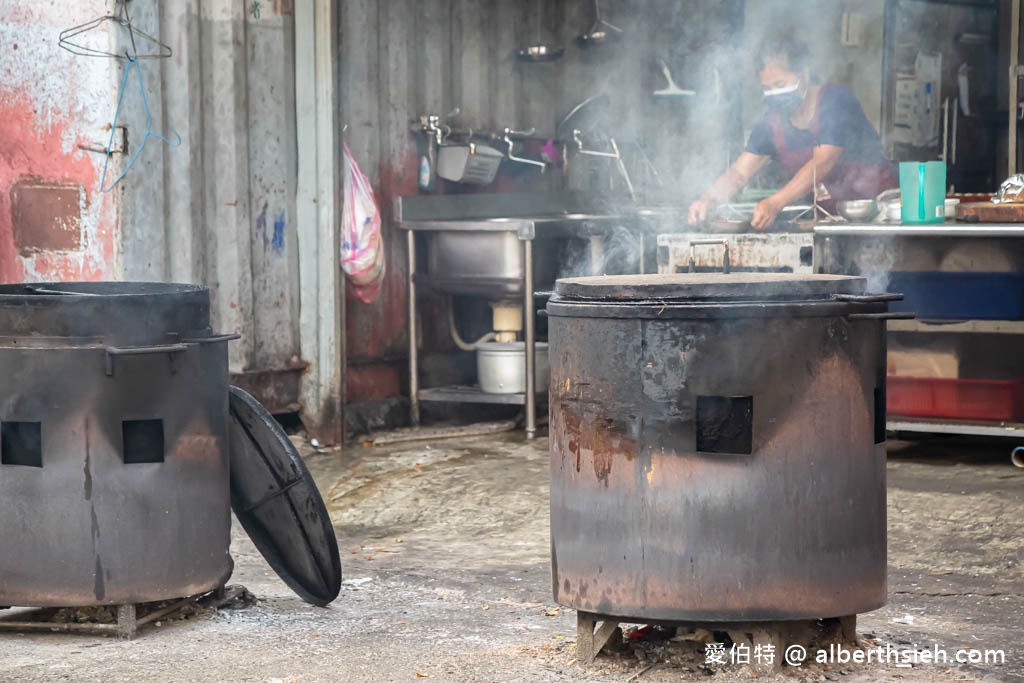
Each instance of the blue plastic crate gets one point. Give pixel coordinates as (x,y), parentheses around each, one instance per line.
(960,296)
(936,295)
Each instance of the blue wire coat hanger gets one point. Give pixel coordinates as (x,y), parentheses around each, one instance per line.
(132,64)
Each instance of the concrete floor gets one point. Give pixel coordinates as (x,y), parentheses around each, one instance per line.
(445,553)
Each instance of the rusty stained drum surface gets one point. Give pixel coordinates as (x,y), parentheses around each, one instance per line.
(717,461)
(113,487)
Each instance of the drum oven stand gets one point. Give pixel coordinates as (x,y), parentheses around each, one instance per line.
(128,622)
(590,642)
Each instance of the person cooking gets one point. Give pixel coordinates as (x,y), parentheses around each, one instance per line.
(815,133)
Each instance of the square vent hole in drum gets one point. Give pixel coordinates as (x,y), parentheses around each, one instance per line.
(143,441)
(21,443)
(725,424)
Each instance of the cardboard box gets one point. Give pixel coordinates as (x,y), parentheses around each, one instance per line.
(923,364)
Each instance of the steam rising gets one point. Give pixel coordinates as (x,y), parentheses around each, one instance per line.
(675,147)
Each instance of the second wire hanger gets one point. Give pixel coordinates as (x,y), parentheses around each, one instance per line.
(75,39)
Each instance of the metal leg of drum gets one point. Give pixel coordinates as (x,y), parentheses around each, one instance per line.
(589,642)
(414,380)
(530,338)
(848,628)
(127,625)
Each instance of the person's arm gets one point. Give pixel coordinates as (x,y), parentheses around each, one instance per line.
(825,158)
(727,185)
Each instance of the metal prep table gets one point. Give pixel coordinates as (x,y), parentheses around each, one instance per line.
(841,249)
(512,234)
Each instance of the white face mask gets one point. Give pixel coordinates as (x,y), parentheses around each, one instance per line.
(786,99)
(784,90)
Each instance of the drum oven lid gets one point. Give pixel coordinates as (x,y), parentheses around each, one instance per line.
(279,505)
(707,287)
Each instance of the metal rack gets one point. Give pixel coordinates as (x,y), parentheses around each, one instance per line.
(1016,71)
(530,218)
(465,394)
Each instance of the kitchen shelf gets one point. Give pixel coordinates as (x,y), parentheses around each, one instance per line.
(937,426)
(472,394)
(839,249)
(958,326)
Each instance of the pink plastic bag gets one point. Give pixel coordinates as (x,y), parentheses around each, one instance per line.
(362,250)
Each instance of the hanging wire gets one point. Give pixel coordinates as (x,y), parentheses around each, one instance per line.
(70,40)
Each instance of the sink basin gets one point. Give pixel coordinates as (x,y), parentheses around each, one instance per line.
(486,263)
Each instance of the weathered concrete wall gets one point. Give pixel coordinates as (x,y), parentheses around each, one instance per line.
(54,109)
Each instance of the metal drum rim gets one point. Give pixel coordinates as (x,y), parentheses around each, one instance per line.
(80,290)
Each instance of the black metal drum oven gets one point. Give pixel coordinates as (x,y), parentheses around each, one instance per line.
(113,444)
(717,446)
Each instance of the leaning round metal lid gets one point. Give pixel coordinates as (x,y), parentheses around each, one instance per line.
(278,504)
(707,287)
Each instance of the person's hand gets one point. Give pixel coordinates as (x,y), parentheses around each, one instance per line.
(699,211)
(765,213)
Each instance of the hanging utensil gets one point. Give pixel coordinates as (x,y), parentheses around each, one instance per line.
(540,51)
(671,89)
(601,31)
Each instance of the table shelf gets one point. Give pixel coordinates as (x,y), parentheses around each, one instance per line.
(473,394)
(958,326)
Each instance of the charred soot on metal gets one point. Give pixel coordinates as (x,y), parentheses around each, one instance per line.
(714,447)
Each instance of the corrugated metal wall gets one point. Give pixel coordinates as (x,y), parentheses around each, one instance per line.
(217,209)
(220,209)
(403,58)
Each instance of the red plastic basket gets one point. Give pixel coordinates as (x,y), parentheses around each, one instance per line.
(966,399)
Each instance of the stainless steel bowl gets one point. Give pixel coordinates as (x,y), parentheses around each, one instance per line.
(540,53)
(858,209)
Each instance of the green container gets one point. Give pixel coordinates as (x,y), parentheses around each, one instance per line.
(923,186)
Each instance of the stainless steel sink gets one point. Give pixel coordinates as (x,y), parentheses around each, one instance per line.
(487,263)
(475,243)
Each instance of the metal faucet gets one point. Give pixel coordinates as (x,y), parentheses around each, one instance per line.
(511,147)
(614,154)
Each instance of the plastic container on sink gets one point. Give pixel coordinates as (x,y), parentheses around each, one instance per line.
(963,399)
(923,188)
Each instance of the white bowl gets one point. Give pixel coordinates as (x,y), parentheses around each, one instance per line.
(951,205)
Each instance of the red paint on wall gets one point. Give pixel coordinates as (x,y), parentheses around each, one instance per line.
(29,149)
